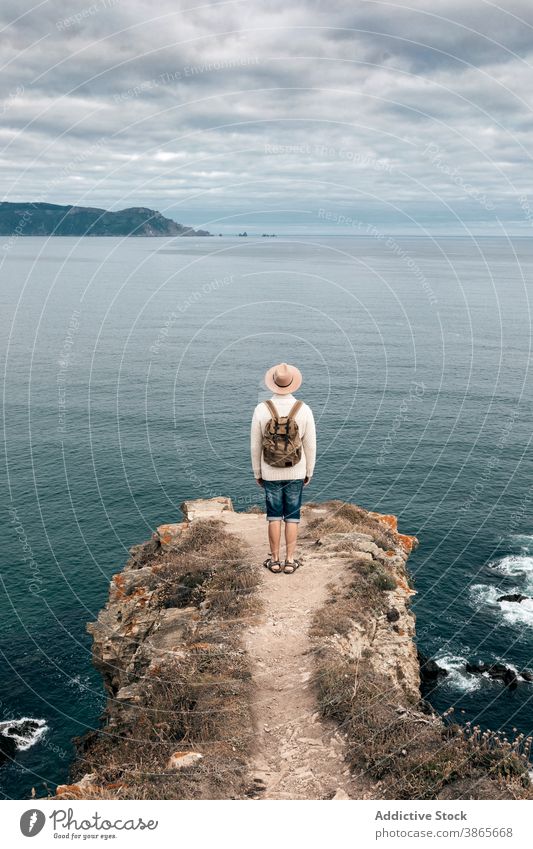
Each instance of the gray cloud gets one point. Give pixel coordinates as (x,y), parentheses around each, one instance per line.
(387,108)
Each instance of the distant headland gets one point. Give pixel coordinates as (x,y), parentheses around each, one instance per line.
(50,219)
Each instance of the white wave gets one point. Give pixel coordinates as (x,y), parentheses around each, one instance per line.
(513,612)
(516,566)
(481,594)
(467,682)
(25,738)
(518,613)
(524,540)
(457,676)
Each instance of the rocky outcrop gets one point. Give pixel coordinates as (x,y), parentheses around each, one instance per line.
(133,632)
(149,625)
(18,735)
(205,508)
(369,673)
(385,632)
(181,646)
(167,645)
(515,597)
(430,671)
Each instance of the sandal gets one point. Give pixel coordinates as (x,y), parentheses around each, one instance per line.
(291,566)
(270,564)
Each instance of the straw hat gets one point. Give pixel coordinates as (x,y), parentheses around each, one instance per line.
(283,378)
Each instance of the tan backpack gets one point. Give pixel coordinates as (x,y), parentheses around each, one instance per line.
(282,445)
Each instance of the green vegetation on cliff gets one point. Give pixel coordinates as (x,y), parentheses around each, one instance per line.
(50,219)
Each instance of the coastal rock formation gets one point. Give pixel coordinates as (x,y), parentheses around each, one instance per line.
(516,597)
(17,735)
(227,681)
(387,637)
(50,219)
(430,670)
(500,672)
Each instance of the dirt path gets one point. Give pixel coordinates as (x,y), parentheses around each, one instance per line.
(298,755)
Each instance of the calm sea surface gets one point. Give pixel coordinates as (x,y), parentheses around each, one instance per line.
(131,370)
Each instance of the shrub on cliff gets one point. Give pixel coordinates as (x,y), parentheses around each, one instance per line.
(193,696)
(205,567)
(411,756)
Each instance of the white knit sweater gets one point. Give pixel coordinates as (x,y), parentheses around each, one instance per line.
(306,426)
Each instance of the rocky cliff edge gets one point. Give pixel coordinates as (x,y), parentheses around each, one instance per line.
(227,681)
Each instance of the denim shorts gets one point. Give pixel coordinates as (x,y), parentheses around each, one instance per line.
(283,499)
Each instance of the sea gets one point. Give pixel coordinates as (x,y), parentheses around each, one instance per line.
(131,368)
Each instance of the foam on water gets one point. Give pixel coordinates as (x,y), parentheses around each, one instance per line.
(26,731)
(457,676)
(77,682)
(513,613)
(516,566)
(466,682)
(123,482)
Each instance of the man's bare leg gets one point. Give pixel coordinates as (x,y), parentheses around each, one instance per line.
(274,538)
(291,535)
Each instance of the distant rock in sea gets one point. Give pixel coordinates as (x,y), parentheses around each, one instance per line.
(500,671)
(516,597)
(50,219)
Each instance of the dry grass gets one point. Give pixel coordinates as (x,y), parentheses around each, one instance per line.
(230,593)
(206,567)
(208,538)
(343,518)
(361,598)
(197,703)
(408,755)
(197,700)
(178,585)
(255,508)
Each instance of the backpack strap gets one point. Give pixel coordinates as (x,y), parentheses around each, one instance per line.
(274,414)
(294,409)
(273,411)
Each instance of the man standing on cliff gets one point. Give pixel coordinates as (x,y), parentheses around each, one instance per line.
(283,448)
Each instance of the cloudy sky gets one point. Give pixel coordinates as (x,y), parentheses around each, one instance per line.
(310,116)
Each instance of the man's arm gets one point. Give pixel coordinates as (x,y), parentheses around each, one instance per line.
(309,444)
(256,444)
